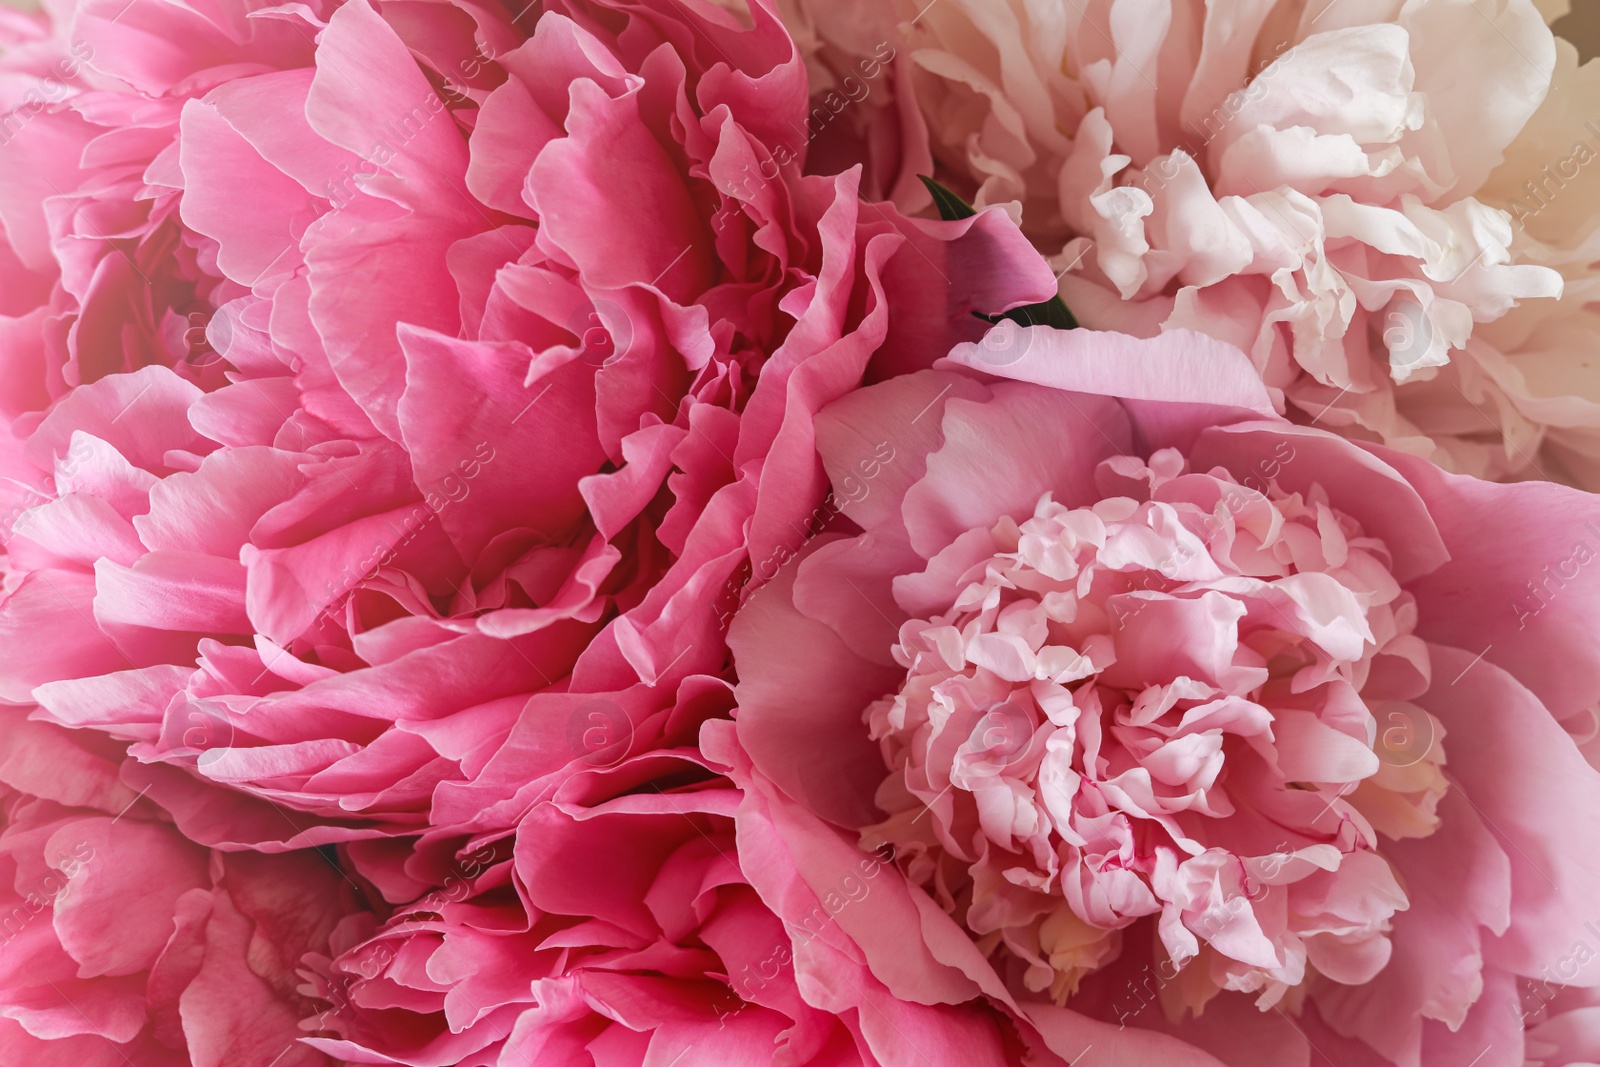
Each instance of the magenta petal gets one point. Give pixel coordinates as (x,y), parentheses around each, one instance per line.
(139,414)
(256,245)
(468,421)
(612,200)
(183,591)
(115,919)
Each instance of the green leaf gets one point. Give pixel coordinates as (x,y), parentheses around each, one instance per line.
(1052,312)
(951,206)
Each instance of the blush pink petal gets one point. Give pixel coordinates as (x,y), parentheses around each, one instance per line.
(1526,610)
(805,699)
(1071,1035)
(1549,879)
(1087,431)
(1175,366)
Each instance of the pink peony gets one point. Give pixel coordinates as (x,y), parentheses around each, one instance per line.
(517,328)
(1178,718)
(616,932)
(125,943)
(98,272)
(1378,203)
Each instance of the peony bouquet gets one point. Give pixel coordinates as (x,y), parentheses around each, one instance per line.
(822,533)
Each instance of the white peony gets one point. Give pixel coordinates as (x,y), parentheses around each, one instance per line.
(1391,206)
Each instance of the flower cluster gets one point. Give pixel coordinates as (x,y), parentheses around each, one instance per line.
(557,534)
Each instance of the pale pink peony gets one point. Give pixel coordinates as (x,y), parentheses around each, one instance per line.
(121,942)
(1379,203)
(516,330)
(1179,716)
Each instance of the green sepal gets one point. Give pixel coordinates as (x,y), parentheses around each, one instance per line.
(951,207)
